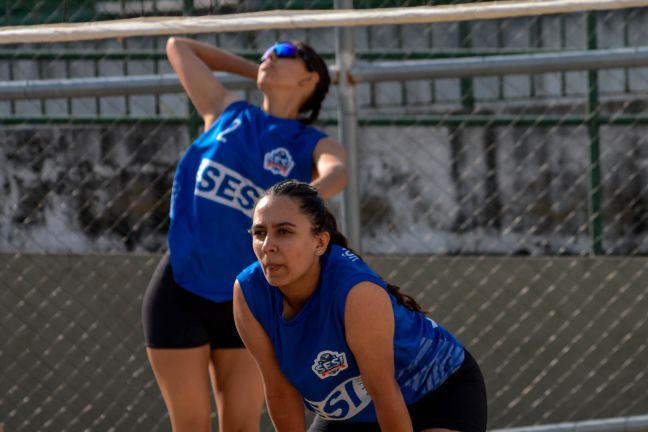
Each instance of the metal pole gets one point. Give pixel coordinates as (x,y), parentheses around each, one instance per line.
(466,84)
(593,129)
(106,86)
(501,65)
(348,125)
(362,73)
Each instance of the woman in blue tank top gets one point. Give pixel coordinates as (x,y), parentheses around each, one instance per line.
(328,333)
(187,311)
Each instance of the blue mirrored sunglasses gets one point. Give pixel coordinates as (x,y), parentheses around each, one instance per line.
(281,50)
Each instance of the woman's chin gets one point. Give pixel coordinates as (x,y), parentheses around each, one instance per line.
(274,280)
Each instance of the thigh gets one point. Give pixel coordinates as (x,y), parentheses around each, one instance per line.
(183,378)
(170,313)
(458,404)
(238,389)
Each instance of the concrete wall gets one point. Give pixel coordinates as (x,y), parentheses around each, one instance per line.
(424,190)
(559,339)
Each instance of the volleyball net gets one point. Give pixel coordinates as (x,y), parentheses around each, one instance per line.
(502,179)
(283,20)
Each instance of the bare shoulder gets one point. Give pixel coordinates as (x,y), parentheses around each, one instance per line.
(367,297)
(329,146)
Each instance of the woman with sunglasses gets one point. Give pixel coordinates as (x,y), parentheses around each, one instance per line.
(187,311)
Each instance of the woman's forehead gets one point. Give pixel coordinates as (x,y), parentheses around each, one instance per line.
(276,206)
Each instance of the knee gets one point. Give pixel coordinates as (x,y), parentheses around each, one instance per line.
(191,422)
(240,425)
(237,421)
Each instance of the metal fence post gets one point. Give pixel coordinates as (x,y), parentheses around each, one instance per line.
(466,84)
(593,130)
(348,124)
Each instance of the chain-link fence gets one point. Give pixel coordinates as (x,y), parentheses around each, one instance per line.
(481,195)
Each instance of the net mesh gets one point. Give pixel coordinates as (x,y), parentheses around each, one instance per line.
(479,196)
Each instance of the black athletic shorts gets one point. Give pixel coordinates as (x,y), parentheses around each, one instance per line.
(176,318)
(458,404)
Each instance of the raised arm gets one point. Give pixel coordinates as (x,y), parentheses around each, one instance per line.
(194,62)
(369,327)
(283,401)
(329,159)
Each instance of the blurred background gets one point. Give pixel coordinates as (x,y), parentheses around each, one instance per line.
(512,204)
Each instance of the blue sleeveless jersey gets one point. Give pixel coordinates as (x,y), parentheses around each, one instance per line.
(216,185)
(312,351)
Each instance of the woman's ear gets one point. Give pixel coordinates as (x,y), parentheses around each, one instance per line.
(315,77)
(323,240)
(311,79)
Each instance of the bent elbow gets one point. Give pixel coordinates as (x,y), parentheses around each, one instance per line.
(342,175)
(174,44)
(171,44)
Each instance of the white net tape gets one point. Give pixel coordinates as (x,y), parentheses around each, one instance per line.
(281,19)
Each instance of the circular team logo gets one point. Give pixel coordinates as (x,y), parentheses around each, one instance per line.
(278,161)
(329,363)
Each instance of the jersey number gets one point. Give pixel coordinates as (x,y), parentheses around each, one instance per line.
(235,125)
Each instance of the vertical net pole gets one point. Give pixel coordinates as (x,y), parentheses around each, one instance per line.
(348,126)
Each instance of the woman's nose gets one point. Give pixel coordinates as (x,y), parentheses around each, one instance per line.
(269,244)
(272,57)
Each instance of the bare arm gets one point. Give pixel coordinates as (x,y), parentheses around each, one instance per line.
(194,62)
(369,327)
(329,158)
(283,401)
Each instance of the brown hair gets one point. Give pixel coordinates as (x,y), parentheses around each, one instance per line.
(314,63)
(312,205)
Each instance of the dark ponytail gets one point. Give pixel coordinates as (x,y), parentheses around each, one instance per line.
(404,299)
(314,207)
(337,238)
(315,63)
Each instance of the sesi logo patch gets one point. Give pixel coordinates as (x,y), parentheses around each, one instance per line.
(278,161)
(343,402)
(329,363)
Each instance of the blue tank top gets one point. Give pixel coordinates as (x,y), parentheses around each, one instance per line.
(216,184)
(312,351)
